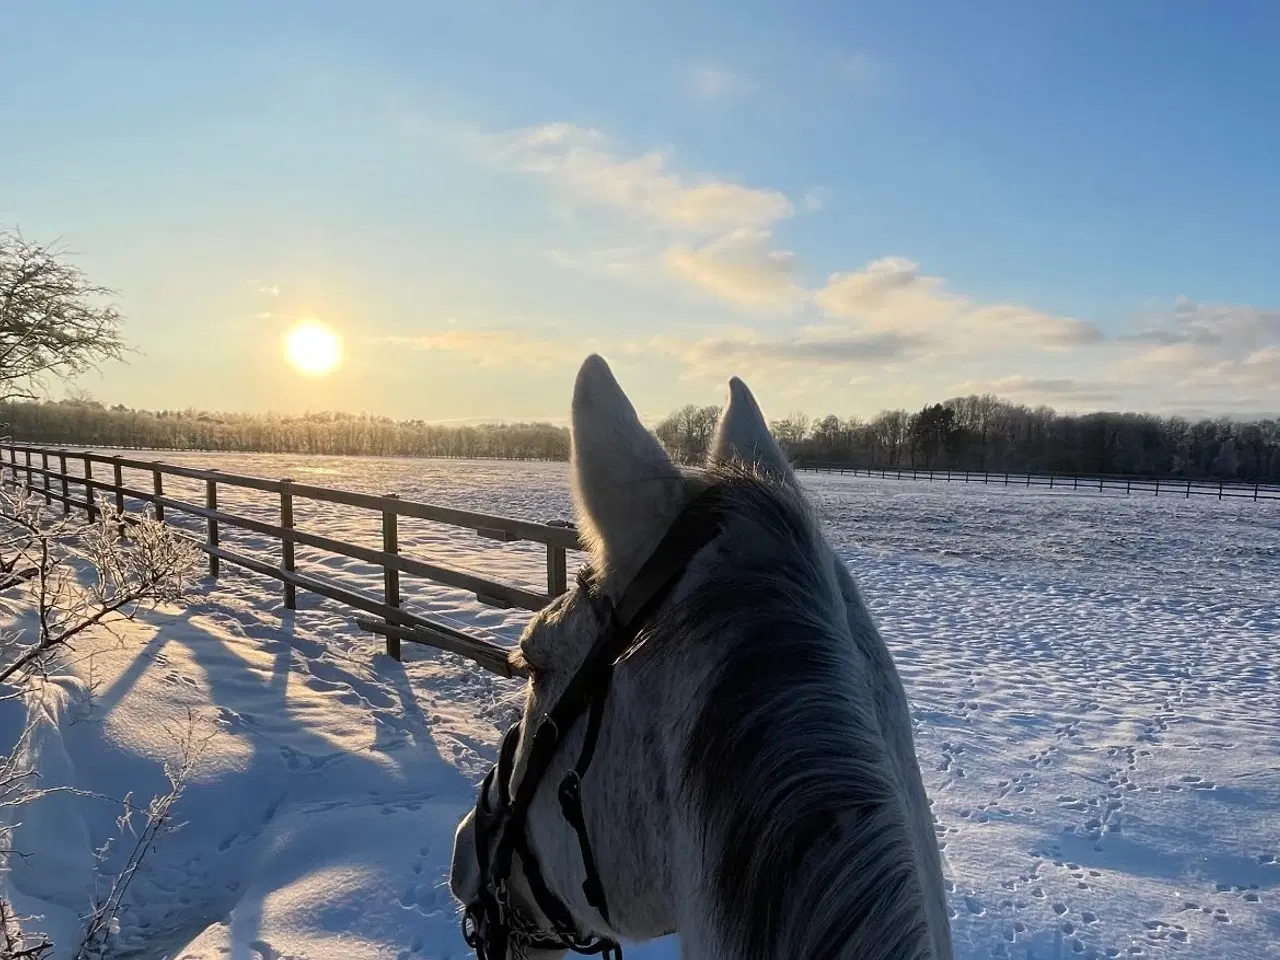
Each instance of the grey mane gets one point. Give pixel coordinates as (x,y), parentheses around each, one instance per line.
(804,828)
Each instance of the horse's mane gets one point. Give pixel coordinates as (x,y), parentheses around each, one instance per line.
(806,839)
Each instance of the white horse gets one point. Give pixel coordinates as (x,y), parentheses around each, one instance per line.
(754,787)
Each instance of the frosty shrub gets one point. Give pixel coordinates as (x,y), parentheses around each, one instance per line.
(68,577)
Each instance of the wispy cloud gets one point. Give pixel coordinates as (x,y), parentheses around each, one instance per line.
(1209,350)
(815,199)
(579,161)
(1071,390)
(717,83)
(885,318)
(718,357)
(739,267)
(893,294)
(494,347)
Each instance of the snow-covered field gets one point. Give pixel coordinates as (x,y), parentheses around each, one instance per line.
(1096,682)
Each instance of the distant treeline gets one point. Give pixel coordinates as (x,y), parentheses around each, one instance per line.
(986,433)
(90,424)
(964,433)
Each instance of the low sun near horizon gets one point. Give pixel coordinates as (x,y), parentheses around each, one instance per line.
(313,349)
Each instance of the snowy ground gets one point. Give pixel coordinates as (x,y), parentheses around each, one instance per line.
(1095,679)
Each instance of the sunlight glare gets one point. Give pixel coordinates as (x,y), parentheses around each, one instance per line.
(313,349)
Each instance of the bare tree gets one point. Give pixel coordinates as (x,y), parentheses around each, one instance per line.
(53,321)
(687,432)
(791,430)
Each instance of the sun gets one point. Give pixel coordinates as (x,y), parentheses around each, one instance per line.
(313,348)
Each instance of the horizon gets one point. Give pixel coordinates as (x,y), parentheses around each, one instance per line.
(437,214)
(650,420)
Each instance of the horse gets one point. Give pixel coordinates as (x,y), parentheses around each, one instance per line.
(715,741)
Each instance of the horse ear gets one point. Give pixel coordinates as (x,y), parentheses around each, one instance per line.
(742,434)
(625,487)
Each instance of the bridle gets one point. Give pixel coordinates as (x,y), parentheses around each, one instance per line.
(492,923)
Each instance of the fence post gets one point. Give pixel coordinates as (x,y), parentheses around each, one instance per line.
(66,487)
(92,505)
(286,543)
(1128,485)
(44,462)
(211,503)
(557,577)
(1188,497)
(118,477)
(28,457)
(1255,492)
(390,575)
(157,486)
(1075,483)
(1220,483)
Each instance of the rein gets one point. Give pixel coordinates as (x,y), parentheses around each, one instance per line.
(492,923)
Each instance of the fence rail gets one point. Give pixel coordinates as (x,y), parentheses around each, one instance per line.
(48,475)
(1157,486)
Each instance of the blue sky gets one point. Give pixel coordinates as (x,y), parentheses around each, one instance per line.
(851,205)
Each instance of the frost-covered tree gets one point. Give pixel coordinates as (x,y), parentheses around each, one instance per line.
(54,322)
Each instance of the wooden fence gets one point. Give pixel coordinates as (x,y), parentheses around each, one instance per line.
(94,482)
(1157,486)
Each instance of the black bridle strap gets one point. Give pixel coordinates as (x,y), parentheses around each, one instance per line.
(571,806)
(695,527)
(691,531)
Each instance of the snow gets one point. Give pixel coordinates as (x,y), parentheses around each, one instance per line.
(1094,679)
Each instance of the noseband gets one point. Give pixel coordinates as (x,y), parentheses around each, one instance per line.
(492,923)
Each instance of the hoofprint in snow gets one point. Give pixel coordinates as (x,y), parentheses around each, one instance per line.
(1094,681)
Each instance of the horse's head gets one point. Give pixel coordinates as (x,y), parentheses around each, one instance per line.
(628,494)
(600,820)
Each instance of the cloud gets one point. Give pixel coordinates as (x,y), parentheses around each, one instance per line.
(616,262)
(815,199)
(1030,389)
(717,83)
(719,236)
(1209,349)
(493,347)
(892,293)
(1211,324)
(739,267)
(747,352)
(643,187)
(1264,365)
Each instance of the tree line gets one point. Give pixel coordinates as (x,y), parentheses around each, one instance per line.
(81,422)
(981,433)
(985,433)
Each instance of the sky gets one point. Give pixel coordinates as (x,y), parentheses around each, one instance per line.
(853,206)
